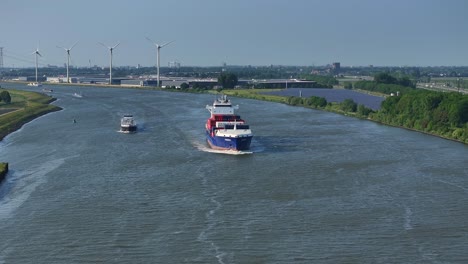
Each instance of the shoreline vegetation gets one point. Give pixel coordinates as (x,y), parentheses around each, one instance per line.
(440,126)
(3,170)
(23,108)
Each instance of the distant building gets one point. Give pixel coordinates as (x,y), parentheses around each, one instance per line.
(174,64)
(131,83)
(210,83)
(54,79)
(61,79)
(32,78)
(171,83)
(336,67)
(283,83)
(151,82)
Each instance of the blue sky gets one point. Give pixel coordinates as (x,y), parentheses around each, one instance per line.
(238,32)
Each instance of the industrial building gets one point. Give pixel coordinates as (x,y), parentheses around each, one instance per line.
(282,83)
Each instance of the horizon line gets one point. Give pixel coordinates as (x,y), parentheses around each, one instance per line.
(240,65)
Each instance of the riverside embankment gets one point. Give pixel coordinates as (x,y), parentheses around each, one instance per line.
(24,107)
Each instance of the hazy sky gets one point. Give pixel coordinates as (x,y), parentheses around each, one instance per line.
(238,32)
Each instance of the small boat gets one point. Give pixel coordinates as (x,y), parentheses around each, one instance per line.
(36,84)
(128,124)
(78,95)
(47,90)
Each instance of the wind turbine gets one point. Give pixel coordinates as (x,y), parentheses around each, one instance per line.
(111,49)
(36,53)
(68,58)
(158,47)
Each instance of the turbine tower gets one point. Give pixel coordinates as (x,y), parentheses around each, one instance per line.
(36,53)
(68,58)
(111,49)
(158,47)
(1,59)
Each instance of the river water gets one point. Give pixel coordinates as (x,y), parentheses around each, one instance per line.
(318,187)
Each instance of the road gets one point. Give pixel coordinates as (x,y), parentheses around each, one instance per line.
(439,87)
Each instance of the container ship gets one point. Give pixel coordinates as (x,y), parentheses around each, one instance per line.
(226,130)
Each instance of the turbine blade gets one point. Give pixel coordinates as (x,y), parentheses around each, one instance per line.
(150,40)
(104,45)
(61,48)
(154,43)
(167,44)
(37,52)
(74,45)
(116,45)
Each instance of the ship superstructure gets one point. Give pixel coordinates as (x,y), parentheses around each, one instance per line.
(128,124)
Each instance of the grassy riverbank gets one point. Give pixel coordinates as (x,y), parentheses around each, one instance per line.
(24,107)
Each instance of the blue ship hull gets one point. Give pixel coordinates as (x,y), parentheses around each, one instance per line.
(227,143)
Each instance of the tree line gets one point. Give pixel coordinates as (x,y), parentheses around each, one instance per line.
(438,113)
(387,84)
(444,114)
(348,106)
(325,81)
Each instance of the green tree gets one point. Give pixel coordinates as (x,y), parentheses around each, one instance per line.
(322,81)
(348,105)
(348,85)
(384,77)
(227,80)
(184,86)
(432,100)
(405,81)
(363,110)
(294,100)
(316,101)
(458,112)
(5,96)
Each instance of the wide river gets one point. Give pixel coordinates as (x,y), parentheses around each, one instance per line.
(318,187)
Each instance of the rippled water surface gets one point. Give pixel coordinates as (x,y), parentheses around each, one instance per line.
(318,187)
